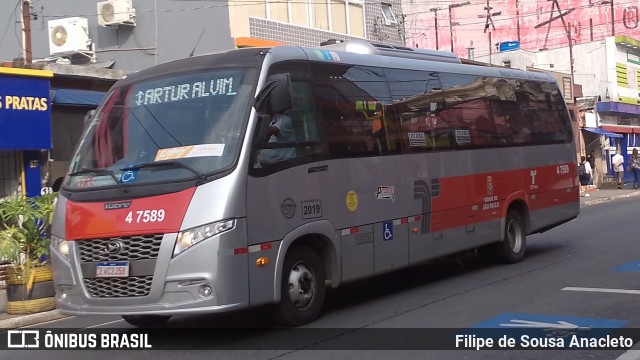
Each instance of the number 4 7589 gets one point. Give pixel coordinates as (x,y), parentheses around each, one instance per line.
(145,216)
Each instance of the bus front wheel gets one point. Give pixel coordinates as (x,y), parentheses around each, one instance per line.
(302,289)
(146,321)
(512,248)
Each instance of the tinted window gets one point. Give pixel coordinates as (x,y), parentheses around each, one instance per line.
(354,101)
(420,107)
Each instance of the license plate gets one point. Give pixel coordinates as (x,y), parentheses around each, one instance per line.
(112,269)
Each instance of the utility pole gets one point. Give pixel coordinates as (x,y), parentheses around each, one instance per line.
(451,23)
(490,49)
(613,18)
(518,18)
(570,56)
(26,31)
(435,14)
(489,22)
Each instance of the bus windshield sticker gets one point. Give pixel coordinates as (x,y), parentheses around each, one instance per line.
(311,209)
(198,89)
(182,152)
(386,192)
(463,137)
(129,176)
(352,200)
(417,139)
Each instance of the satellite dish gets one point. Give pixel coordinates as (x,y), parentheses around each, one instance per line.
(107,12)
(59,35)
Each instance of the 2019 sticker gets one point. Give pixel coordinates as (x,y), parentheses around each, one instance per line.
(311,209)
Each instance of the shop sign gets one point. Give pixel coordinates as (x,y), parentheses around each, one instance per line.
(25,112)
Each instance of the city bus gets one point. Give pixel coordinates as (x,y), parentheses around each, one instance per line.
(393,157)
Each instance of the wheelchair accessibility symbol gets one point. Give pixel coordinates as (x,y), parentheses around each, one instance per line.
(387,230)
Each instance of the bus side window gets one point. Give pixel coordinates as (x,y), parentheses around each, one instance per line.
(299,134)
(348,96)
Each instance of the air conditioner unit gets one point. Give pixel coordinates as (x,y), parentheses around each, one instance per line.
(69,36)
(116,12)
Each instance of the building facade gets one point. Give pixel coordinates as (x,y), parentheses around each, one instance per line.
(135,34)
(532,25)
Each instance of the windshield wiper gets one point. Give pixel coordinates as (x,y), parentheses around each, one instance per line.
(165,163)
(95,171)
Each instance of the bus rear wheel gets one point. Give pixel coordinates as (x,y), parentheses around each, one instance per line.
(146,321)
(303,289)
(511,250)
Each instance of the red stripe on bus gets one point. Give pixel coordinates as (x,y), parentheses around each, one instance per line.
(266,246)
(151,215)
(240,251)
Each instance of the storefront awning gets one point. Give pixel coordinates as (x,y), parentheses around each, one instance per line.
(602,132)
(76,97)
(617,108)
(622,129)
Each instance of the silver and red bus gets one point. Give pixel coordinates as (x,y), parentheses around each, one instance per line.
(175,204)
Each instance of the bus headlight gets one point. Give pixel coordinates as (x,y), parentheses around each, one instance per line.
(60,245)
(188,238)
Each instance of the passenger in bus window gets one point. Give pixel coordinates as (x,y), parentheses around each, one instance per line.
(280,131)
(520,133)
(357,128)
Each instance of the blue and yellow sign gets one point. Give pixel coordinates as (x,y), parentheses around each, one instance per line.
(25,111)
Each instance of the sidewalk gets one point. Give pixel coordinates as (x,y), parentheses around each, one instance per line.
(601,195)
(596,196)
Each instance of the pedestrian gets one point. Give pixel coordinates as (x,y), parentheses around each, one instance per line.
(592,161)
(634,165)
(618,167)
(584,175)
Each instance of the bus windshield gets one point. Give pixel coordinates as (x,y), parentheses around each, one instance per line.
(166,129)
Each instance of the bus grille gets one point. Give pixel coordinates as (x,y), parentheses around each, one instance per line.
(137,247)
(119,287)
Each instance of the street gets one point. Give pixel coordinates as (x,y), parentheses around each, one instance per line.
(580,275)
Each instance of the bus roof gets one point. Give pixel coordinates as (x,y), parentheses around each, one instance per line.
(349,52)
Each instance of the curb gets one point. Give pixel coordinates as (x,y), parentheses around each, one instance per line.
(598,201)
(28,320)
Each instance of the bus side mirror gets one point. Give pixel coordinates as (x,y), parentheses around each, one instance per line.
(275,97)
(57,184)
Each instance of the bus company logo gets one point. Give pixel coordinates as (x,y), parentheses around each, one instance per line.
(113,247)
(288,208)
(490,188)
(117,205)
(23,339)
(386,192)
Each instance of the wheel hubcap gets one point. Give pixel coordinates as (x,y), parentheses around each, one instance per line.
(301,286)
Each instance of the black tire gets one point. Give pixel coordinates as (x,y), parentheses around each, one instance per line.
(303,289)
(512,249)
(146,321)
